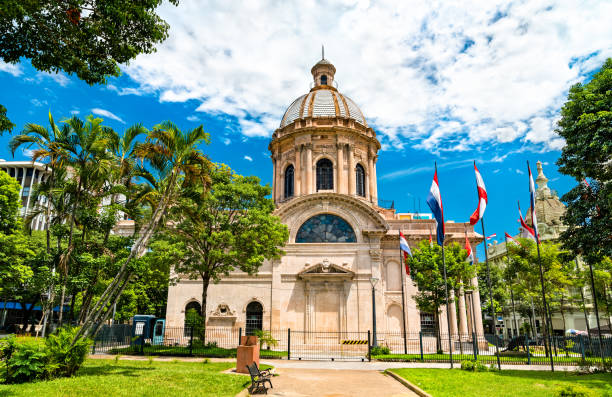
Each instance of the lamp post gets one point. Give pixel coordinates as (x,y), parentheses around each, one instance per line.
(373,281)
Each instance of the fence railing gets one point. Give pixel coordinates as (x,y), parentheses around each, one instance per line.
(389,346)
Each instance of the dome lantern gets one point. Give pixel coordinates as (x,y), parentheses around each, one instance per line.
(323,73)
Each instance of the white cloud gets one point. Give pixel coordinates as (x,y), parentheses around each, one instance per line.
(125,90)
(59,78)
(38,102)
(15,70)
(519,171)
(248,158)
(193,118)
(75,112)
(107,114)
(438,75)
(27,152)
(226,141)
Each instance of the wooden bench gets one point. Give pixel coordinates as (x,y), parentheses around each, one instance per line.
(259,378)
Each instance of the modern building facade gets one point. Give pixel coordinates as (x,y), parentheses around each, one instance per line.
(341,238)
(28,174)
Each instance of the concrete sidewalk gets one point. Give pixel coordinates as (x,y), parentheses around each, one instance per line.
(346,383)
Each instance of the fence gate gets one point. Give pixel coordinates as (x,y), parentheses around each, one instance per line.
(347,346)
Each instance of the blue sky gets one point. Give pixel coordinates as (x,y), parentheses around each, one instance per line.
(438,82)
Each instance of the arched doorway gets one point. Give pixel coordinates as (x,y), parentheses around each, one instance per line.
(193,317)
(254,317)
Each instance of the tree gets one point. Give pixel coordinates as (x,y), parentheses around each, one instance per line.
(5,123)
(427,275)
(10,221)
(586,125)
(177,164)
(230,227)
(501,295)
(86,37)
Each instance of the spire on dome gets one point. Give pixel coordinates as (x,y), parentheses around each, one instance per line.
(323,71)
(542,180)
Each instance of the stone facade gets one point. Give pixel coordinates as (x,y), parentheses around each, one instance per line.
(324,185)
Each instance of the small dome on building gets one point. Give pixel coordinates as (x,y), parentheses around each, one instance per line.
(323,100)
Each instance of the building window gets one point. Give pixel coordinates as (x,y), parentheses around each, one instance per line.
(254,317)
(324,80)
(428,323)
(289,182)
(360,176)
(25,192)
(325,228)
(325,175)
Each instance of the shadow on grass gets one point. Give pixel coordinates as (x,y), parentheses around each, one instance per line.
(109,369)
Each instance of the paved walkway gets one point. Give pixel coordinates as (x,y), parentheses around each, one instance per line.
(324,383)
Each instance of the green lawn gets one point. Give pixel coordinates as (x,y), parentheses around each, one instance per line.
(138,378)
(504,358)
(458,383)
(216,352)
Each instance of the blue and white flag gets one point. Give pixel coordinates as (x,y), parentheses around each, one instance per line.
(434,201)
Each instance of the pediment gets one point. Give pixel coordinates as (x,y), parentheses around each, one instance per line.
(326,271)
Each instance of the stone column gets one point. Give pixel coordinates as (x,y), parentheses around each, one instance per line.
(463,325)
(274,187)
(298,171)
(476,308)
(374,182)
(453,312)
(351,170)
(371,181)
(308,166)
(340,168)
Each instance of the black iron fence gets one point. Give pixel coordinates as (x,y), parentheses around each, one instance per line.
(357,346)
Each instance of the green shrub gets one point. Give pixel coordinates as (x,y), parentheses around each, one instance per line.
(467,365)
(67,358)
(573,391)
(25,361)
(379,350)
(474,366)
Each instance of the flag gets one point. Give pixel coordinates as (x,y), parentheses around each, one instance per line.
(468,248)
(491,236)
(405,248)
(532,192)
(482,198)
(529,233)
(434,201)
(511,239)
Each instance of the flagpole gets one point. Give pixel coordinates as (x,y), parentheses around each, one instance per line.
(511,292)
(545,305)
(484,235)
(450,345)
(403,297)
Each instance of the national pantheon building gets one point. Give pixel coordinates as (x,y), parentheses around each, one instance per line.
(324,157)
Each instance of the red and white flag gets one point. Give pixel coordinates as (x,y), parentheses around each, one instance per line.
(511,239)
(491,236)
(405,248)
(482,198)
(532,198)
(468,248)
(528,232)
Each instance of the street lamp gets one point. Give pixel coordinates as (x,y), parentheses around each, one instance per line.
(373,281)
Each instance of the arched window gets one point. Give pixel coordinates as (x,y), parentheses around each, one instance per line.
(360,176)
(325,175)
(254,317)
(193,313)
(323,79)
(289,182)
(325,228)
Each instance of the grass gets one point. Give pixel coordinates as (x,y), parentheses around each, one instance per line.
(504,358)
(215,352)
(138,378)
(458,383)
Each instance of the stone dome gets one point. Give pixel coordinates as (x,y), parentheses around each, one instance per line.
(323,103)
(323,100)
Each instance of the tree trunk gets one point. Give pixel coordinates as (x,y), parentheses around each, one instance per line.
(438,336)
(61,305)
(205,284)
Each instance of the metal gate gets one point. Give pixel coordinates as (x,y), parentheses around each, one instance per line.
(312,345)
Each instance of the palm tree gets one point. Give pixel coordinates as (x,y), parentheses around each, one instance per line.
(176,163)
